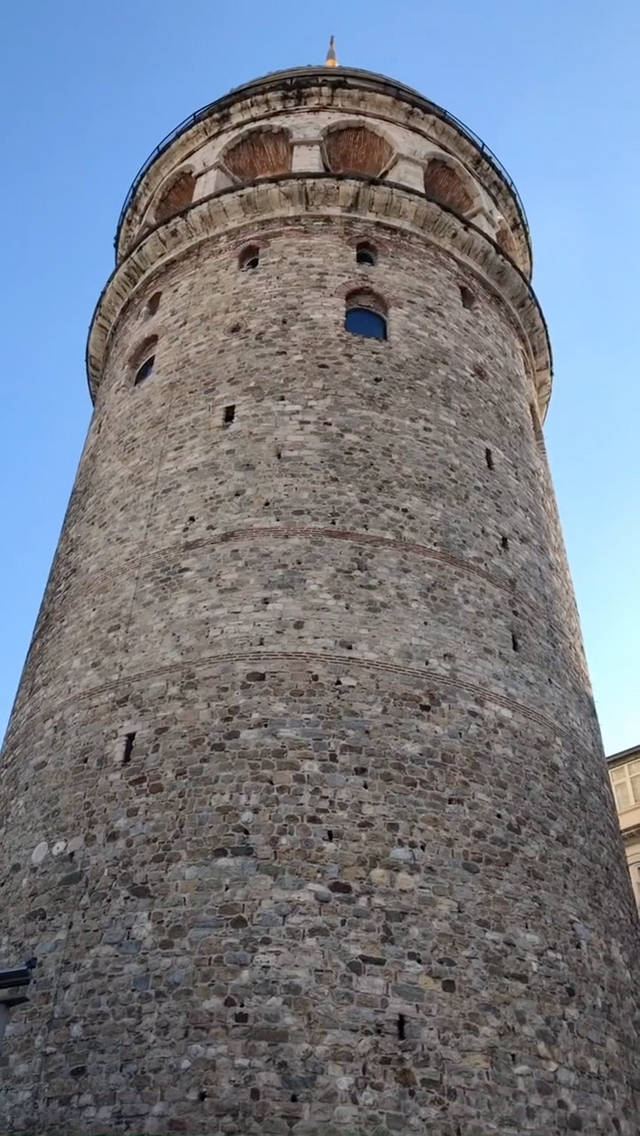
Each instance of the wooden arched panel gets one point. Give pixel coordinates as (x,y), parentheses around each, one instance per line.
(265,153)
(177,195)
(443,182)
(357,150)
(505,239)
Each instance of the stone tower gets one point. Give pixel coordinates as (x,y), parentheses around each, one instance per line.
(305,813)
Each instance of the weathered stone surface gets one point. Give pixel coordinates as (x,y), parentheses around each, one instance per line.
(307,702)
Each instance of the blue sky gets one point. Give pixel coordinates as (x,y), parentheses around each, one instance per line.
(89,87)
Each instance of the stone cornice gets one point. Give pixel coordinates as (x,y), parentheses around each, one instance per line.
(291,196)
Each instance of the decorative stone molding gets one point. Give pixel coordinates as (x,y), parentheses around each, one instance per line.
(379,202)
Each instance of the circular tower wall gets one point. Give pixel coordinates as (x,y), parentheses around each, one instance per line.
(304,802)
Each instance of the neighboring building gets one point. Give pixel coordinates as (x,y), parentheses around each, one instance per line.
(624,770)
(304,808)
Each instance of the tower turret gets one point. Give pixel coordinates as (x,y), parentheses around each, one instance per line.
(304,808)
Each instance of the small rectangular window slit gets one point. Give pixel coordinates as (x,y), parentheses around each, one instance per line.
(229,415)
(127,748)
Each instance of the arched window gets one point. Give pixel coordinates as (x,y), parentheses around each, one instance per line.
(176,196)
(366,254)
(444,184)
(143,359)
(249,257)
(362,321)
(264,153)
(357,150)
(365,315)
(145,370)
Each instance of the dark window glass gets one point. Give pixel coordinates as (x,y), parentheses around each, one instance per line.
(129,739)
(362,321)
(249,258)
(366,255)
(145,370)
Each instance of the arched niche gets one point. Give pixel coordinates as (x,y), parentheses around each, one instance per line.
(176,195)
(357,150)
(445,184)
(263,153)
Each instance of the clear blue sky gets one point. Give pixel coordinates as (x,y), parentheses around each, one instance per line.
(89,87)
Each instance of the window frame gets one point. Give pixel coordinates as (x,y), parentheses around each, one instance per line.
(139,378)
(358,309)
(627,780)
(145,353)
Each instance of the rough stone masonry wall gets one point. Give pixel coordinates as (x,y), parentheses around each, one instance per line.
(360,873)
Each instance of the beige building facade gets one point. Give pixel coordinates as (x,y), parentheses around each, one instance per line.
(624,771)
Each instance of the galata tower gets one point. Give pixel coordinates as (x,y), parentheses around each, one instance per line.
(304,809)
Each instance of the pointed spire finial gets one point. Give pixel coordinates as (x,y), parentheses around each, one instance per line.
(332,59)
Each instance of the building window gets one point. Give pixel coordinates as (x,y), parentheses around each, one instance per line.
(145,370)
(625,780)
(362,321)
(249,257)
(366,254)
(634,870)
(143,360)
(366,314)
